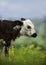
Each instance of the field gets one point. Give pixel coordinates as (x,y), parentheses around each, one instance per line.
(24,56)
(27,51)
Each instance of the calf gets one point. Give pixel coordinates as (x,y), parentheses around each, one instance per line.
(12,29)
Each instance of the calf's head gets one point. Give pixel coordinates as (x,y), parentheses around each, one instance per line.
(27,28)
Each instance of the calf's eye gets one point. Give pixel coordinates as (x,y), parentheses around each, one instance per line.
(28,27)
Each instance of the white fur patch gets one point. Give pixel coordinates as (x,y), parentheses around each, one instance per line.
(16,27)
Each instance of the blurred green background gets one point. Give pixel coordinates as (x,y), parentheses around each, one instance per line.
(27,50)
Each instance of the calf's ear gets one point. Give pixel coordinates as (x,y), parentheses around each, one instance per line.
(20,23)
(23,19)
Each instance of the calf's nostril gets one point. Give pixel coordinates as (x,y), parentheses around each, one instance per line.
(34,35)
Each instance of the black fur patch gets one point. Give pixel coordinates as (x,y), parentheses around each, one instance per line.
(18,22)
(7,33)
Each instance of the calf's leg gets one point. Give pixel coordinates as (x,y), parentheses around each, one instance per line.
(6,47)
(6,50)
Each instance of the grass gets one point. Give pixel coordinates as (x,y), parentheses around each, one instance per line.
(24,56)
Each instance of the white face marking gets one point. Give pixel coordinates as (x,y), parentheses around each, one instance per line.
(27,28)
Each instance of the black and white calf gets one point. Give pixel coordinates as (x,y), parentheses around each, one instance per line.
(12,29)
